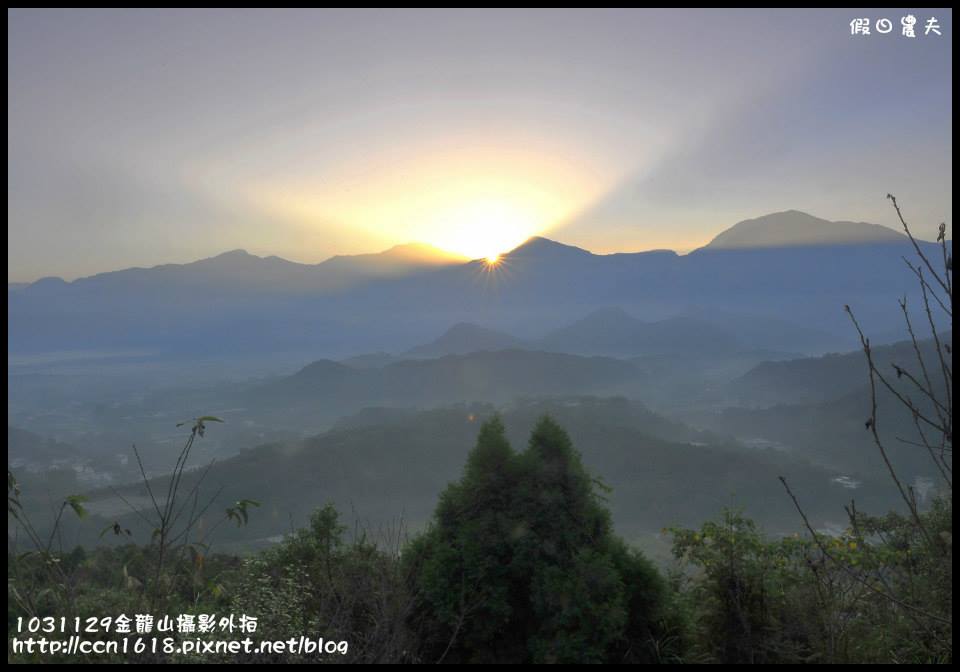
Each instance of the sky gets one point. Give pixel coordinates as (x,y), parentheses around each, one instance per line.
(141,137)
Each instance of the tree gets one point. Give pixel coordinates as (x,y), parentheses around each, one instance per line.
(753,603)
(906,561)
(521,565)
(321,580)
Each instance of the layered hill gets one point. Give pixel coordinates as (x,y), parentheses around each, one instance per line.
(786,266)
(391,466)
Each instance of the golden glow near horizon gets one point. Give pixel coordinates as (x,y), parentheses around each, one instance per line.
(475,202)
(169,136)
(485,229)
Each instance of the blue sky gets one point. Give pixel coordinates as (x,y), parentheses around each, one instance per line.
(139,137)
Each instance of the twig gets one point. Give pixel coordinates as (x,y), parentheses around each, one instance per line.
(853,575)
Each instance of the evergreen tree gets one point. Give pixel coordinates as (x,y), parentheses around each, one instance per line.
(521,564)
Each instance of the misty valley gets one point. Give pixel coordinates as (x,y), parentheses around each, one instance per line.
(677,416)
(479,336)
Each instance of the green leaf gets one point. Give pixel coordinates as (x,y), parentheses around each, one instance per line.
(239,513)
(75,503)
(199,421)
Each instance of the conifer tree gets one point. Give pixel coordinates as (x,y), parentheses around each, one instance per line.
(521,564)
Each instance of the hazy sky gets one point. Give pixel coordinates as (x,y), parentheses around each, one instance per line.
(143,137)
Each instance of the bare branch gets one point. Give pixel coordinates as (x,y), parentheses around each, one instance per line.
(908,607)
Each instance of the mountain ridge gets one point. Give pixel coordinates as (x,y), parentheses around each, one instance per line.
(353,305)
(795,227)
(730,238)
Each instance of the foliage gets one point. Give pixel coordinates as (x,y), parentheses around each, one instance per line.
(169,573)
(318,583)
(521,564)
(882,590)
(108,581)
(796,600)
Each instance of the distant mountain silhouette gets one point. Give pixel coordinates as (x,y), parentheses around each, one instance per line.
(701,333)
(763,332)
(238,303)
(397,260)
(331,389)
(464,338)
(832,376)
(373,360)
(611,331)
(544,248)
(238,269)
(793,227)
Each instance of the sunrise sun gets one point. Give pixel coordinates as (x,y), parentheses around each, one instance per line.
(487,229)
